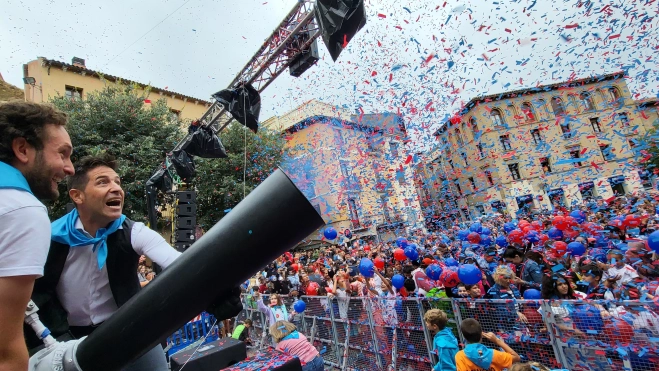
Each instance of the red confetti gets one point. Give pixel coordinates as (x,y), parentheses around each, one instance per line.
(391,76)
(508,30)
(408,159)
(374,73)
(572,26)
(147,101)
(614,36)
(345,40)
(382,15)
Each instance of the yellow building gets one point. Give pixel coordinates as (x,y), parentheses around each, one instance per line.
(46,78)
(355,170)
(532,148)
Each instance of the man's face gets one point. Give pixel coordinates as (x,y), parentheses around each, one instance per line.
(50,165)
(102,197)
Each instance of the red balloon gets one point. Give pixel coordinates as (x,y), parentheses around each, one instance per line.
(543,238)
(367,248)
(295,267)
(631,221)
(571,222)
(379,263)
(399,254)
(449,278)
(536,225)
(560,248)
(474,237)
(523,223)
(312,289)
(289,256)
(560,223)
(570,233)
(515,236)
(403,292)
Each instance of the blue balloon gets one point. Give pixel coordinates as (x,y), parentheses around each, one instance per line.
(412,246)
(401,242)
(462,235)
(502,241)
(476,227)
(576,248)
(532,237)
(486,240)
(398,281)
(509,227)
(653,241)
(450,262)
(578,215)
(486,231)
(530,294)
(366,267)
(411,253)
(299,306)
(555,234)
(469,274)
(434,271)
(330,233)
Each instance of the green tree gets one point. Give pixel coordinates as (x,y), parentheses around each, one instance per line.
(117,121)
(219,182)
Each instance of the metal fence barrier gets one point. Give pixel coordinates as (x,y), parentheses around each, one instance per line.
(359,333)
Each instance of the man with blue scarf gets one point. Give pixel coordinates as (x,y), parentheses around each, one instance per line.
(35,154)
(91,269)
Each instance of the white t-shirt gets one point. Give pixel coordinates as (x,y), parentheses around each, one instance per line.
(84,290)
(24,234)
(626,274)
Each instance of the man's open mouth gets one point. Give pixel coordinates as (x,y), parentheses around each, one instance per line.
(113,203)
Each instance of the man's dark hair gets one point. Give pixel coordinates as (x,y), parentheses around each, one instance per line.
(471,330)
(85,165)
(511,253)
(25,120)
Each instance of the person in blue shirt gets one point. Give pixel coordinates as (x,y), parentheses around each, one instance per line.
(444,344)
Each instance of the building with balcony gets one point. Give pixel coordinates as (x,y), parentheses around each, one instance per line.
(46,78)
(531,149)
(355,169)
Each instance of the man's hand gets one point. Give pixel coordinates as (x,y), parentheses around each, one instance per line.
(226,305)
(14,295)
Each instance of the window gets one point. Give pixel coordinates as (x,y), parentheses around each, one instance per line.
(505,142)
(535,134)
(544,163)
(614,94)
(624,120)
(541,107)
(393,147)
(565,128)
(572,102)
(512,111)
(473,183)
(464,129)
(474,126)
(174,115)
(457,186)
(480,150)
(557,106)
(587,101)
(595,124)
(488,175)
(576,153)
(450,162)
(514,171)
(527,110)
(606,152)
(73,93)
(496,117)
(385,208)
(458,136)
(354,216)
(464,157)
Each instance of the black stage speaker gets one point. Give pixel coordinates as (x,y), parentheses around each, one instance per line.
(186,209)
(213,356)
(186,222)
(186,196)
(305,60)
(268,361)
(182,246)
(185,235)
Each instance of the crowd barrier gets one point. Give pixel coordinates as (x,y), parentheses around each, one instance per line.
(200,330)
(389,334)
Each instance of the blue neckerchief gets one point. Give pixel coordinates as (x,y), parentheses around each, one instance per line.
(64,231)
(480,355)
(292,335)
(11,177)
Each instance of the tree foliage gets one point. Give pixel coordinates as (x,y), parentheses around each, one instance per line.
(220,181)
(117,121)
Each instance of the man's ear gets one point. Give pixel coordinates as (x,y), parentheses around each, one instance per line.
(22,150)
(77,196)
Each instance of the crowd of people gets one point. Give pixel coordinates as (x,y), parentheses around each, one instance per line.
(602,250)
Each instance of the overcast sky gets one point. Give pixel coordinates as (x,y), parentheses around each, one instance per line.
(407,58)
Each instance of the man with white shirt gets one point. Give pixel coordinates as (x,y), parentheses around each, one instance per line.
(35,154)
(623,273)
(92,263)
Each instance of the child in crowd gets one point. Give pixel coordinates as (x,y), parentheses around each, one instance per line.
(242,332)
(478,357)
(444,343)
(289,340)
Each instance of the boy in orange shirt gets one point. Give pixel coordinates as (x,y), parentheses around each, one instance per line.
(478,357)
